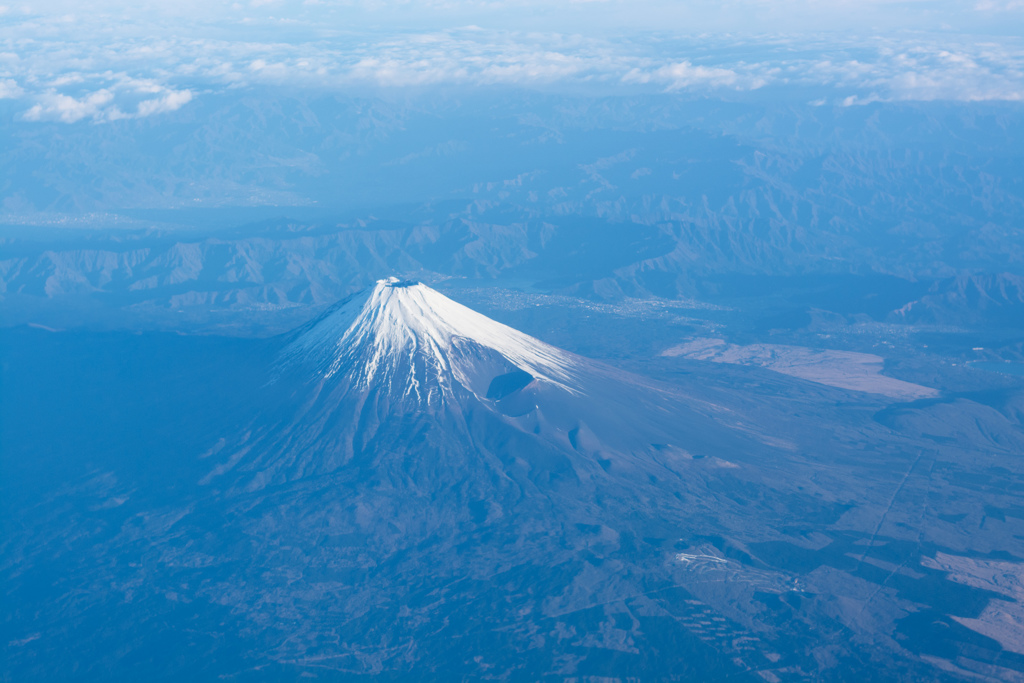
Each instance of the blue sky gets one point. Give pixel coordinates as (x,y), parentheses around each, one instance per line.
(588,16)
(63,61)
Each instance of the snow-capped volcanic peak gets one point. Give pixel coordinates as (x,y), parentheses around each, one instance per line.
(411,338)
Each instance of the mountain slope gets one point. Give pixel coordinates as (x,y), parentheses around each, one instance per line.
(400,361)
(410,447)
(412,491)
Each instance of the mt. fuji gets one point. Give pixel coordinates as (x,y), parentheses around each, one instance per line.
(401,359)
(406,444)
(404,488)
(413,340)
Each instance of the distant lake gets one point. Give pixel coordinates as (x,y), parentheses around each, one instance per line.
(1002,367)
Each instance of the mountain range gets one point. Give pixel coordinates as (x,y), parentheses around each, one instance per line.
(257,213)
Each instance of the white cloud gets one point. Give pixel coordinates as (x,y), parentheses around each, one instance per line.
(538,67)
(66,79)
(399,73)
(55,106)
(9,89)
(856,100)
(102,105)
(171,101)
(65,72)
(922,71)
(684,75)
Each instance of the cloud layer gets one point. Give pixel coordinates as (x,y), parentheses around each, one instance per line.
(106,104)
(67,69)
